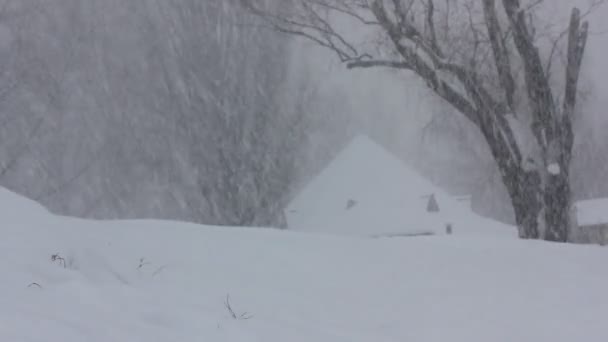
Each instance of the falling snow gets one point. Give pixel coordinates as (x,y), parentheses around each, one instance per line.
(194,111)
(554,169)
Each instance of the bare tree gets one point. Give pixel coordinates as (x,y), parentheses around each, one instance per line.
(486,59)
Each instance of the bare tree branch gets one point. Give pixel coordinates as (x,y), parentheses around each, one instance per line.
(345,10)
(500,52)
(430,22)
(537,84)
(577,40)
(378,63)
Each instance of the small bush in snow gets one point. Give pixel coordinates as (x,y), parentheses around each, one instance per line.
(56,258)
(69,262)
(143,263)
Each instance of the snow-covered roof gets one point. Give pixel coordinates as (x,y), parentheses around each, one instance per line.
(367,191)
(592,212)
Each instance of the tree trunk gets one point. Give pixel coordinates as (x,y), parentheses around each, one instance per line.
(557,195)
(542,211)
(524,188)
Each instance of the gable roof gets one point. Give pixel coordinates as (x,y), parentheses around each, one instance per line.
(366,190)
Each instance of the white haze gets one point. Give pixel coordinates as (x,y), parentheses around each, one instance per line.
(115,109)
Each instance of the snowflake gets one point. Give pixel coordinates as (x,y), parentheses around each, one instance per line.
(554,169)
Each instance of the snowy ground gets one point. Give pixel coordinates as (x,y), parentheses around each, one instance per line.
(296,287)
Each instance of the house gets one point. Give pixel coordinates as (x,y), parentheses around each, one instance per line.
(592,221)
(367,191)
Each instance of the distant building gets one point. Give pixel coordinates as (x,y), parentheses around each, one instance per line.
(367,191)
(592,220)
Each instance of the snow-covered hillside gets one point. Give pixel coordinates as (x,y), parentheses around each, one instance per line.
(165,281)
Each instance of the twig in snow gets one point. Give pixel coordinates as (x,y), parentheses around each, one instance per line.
(233,314)
(159,270)
(142,263)
(59,259)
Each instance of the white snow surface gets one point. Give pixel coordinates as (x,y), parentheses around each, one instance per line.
(298,287)
(592,212)
(389,199)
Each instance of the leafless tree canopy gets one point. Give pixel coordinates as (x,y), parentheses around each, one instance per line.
(494,61)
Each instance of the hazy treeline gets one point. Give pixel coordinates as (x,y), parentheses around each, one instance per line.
(170,109)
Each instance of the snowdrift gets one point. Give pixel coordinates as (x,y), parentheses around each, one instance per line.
(73,280)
